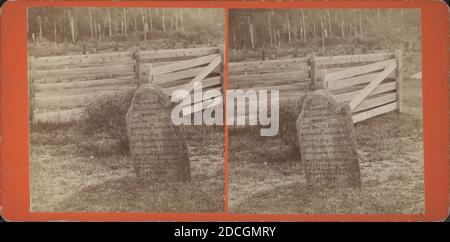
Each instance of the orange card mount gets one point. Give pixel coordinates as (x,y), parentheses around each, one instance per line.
(96,126)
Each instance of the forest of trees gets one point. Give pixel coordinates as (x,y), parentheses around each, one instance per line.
(258,29)
(73,25)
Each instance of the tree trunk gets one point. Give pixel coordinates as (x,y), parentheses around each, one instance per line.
(91,27)
(163,21)
(360,23)
(304,26)
(342,25)
(125,22)
(288,29)
(270,29)
(99,31)
(234,42)
(252,38)
(181,20)
(40,28)
(72,27)
(109,23)
(324,31)
(54,32)
(330,30)
(135,26)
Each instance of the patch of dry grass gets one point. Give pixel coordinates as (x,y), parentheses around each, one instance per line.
(266,176)
(72,172)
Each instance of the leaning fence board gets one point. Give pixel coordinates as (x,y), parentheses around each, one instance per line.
(376,101)
(209,82)
(61,116)
(366,91)
(182,65)
(194,52)
(179,75)
(203,73)
(359,70)
(349,59)
(386,87)
(374,112)
(352,81)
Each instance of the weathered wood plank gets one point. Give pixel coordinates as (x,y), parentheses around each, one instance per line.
(299,76)
(182,65)
(257,83)
(358,70)
(376,101)
(61,116)
(179,75)
(202,74)
(374,112)
(366,91)
(193,52)
(349,59)
(268,66)
(385,87)
(42,87)
(352,81)
(208,82)
(90,59)
(74,72)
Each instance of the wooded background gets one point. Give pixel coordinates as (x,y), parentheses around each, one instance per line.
(254,30)
(118,28)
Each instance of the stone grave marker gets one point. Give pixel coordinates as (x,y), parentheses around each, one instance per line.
(157,147)
(327,142)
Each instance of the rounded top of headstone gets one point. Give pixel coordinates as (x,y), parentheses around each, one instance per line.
(324,97)
(152,91)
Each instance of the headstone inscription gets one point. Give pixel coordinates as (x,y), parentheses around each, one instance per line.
(157,147)
(327,142)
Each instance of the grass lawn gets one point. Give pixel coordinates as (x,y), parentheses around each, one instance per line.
(266,176)
(71,172)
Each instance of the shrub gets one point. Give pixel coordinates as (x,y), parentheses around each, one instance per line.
(290,109)
(107,114)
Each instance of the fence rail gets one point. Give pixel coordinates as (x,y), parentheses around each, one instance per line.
(60,85)
(370,83)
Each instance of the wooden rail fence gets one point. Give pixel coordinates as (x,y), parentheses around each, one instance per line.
(60,85)
(370,83)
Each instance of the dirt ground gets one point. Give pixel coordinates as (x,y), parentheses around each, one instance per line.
(71,172)
(266,176)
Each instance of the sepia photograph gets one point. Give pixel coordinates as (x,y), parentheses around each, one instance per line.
(340,91)
(103,87)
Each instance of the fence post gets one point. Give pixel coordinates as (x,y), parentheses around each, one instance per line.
(137,67)
(31,91)
(149,73)
(222,80)
(313,72)
(399,79)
